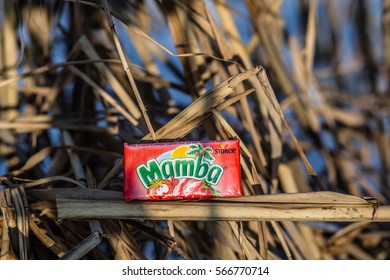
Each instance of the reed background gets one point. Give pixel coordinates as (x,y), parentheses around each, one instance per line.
(303,84)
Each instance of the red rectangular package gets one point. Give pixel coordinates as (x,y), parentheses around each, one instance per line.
(182,170)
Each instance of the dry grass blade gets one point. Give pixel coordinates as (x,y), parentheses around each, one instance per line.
(6,252)
(14,209)
(170,243)
(95,238)
(127,70)
(248,121)
(84,247)
(33,161)
(311,36)
(46,240)
(21,210)
(251,171)
(178,126)
(272,98)
(141,33)
(122,241)
(104,94)
(77,193)
(7,225)
(85,45)
(281,237)
(114,171)
(386,36)
(9,58)
(47,180)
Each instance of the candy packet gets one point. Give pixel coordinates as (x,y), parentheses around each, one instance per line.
(182,170)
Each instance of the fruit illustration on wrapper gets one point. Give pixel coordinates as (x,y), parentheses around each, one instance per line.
(192,188)
(162,188)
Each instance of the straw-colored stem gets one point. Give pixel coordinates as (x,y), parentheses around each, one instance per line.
(127,70)
(212,211)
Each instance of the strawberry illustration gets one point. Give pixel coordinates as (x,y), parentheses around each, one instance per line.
(160,189)
(192,188)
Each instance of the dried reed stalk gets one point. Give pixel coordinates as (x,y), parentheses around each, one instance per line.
(292,207)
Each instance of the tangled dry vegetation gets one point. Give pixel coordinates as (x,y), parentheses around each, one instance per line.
(78,79)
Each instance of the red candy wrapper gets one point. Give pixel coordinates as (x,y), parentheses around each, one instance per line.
(182,170)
